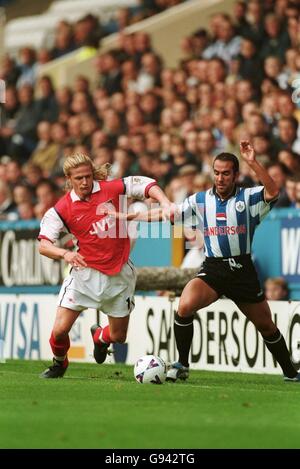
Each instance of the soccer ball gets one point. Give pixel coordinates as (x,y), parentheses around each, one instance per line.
(150,369)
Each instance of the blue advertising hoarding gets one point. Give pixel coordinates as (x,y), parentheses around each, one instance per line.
(276,248)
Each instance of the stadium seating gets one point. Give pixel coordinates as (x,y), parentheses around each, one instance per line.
(33,30)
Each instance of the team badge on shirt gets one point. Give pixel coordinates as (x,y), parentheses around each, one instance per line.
(240,206)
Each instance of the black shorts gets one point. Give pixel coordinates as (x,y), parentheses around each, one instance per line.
(235,277)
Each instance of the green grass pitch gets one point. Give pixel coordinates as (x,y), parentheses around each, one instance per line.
(101,406)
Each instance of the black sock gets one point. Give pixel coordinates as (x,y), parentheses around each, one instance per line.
(184,331)
(277,346)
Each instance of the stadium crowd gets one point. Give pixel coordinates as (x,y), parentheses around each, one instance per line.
(236,80)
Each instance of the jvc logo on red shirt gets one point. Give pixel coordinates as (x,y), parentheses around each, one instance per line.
(104,227)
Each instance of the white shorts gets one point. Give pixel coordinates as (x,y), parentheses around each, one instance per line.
(89,288)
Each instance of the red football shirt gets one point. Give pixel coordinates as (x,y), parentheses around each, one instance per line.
(102,240)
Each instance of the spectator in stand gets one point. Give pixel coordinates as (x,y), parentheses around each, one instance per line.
(9,113)
(47,106)
(142,45)
(8,209)
(262,148)
(149,75)
(228,141)
(63,41)
(239,15)
(47,194)
(25,211)
(207,149)
(254,27)
(276,289)
(63,97)
(33,175)
(290,159)
(46,152)
(27,67)
(249,64)
(13,173)
(9,71)
(293,32)
(179,155)
(273,69)
(43,57)
(87,31)
(226,45)
(286,107)
(110,78)
(290,190)
(287,135)
(150,108)
(187,175)
(24,139)
(279,174)
(277,41)
(22,193)
(244,92)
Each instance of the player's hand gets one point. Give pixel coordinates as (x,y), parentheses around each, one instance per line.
(247,151)
(169,212)
(75,259)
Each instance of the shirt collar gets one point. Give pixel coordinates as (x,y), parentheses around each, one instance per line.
(213,191)
(96,188)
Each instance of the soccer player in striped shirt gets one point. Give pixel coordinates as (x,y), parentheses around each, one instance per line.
(228,216)
(102,275)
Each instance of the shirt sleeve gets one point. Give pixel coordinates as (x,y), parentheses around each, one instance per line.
(138,187)
(258,206)
(51,226)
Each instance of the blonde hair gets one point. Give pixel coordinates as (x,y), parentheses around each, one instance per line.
(79,159)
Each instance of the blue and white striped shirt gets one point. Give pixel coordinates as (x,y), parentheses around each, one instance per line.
(228,226)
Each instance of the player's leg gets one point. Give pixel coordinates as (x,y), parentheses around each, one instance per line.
(60,342)
(196,295)
(114,332)
(260,315)
(117,302)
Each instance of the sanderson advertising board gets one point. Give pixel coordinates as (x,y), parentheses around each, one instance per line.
(224,339)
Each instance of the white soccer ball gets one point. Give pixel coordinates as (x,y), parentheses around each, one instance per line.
(150,369)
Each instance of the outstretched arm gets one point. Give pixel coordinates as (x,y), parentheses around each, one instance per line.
(248,154)
(156,193)
(155,214)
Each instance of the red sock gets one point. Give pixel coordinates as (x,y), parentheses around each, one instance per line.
(105,336)
(102,335)
(59,347)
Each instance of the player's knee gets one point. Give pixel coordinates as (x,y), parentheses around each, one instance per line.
(59,334)
(185,309)
(118,337)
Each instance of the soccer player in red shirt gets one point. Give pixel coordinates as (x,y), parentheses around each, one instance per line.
(102,275)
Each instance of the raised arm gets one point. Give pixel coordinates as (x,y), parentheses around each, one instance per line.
(248,154)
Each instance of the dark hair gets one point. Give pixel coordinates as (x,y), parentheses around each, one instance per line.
(228,157)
